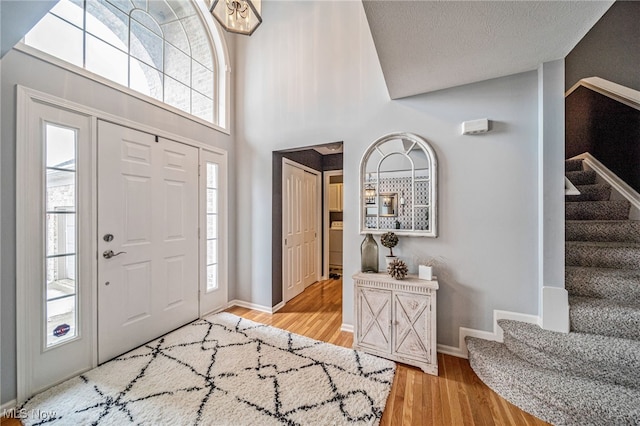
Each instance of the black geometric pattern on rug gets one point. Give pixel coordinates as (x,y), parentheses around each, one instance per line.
(225,370)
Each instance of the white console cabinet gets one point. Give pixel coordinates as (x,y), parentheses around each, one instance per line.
(396,319)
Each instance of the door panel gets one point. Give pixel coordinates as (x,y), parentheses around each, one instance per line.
(148,201)
(411,332)
(311,212)
(293,230)
(374,322)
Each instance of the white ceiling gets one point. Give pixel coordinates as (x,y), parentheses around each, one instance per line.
(431,45)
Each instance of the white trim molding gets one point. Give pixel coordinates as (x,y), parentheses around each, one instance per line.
(495,335)
(347,328)
(256,307)
(615,91)
(7,406)
(555,309)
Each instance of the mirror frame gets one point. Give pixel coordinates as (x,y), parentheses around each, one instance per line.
(433,184)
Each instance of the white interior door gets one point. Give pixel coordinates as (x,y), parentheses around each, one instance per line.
(54,274)
(292,230)
(310,210)
(213,232)
(147,237)
(300,222)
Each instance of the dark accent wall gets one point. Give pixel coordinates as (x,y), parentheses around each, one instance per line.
(610,50)
(332,162)
(310,158)
(607,129)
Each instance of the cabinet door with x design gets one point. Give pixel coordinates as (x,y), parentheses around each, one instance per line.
(374,319)
(411,325)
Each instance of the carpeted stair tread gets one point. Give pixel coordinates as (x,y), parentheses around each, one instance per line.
(558,398)
(605,317)
(572,165)
(597,210)
(597,357)
(620,285)
(602,230)
(609,254)
(582,177)
(594,192)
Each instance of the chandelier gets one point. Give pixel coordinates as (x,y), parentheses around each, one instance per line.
(237,16)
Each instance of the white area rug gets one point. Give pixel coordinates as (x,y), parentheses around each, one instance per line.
(224,370)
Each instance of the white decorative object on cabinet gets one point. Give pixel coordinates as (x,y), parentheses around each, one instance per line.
(335,197)
(396,319)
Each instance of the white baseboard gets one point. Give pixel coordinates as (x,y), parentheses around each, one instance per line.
(256,307)
(451,350)
(495,335)
(346,327)
(8,405)
(277,307)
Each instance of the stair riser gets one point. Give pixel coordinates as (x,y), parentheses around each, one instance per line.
(607,372)
(628,231)
(603,257)
(582,177)
(608,210)
(572,165)
(595,283)
(606,323)
(600,194)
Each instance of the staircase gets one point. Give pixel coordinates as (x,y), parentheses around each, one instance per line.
(590,376)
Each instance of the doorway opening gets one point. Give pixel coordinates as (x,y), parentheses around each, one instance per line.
(318,159)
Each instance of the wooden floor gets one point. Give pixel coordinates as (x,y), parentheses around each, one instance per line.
(455,397)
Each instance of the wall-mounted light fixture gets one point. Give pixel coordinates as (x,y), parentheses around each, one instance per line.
(238,16)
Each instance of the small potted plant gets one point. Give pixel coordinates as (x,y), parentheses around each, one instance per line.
(389,240)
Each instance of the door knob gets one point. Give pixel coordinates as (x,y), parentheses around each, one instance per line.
(108,254)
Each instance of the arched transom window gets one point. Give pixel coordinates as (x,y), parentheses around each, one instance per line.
(160,48)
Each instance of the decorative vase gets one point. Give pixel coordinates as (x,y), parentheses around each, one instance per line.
(390,259)
(369,254)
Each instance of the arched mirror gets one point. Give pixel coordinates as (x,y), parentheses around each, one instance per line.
(398,186)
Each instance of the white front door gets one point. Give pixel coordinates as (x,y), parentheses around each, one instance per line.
(213,232)
(147,237)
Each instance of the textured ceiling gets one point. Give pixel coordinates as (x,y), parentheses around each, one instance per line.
(430,45)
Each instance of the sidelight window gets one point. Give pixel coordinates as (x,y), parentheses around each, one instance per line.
(212,226)
(60,287)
